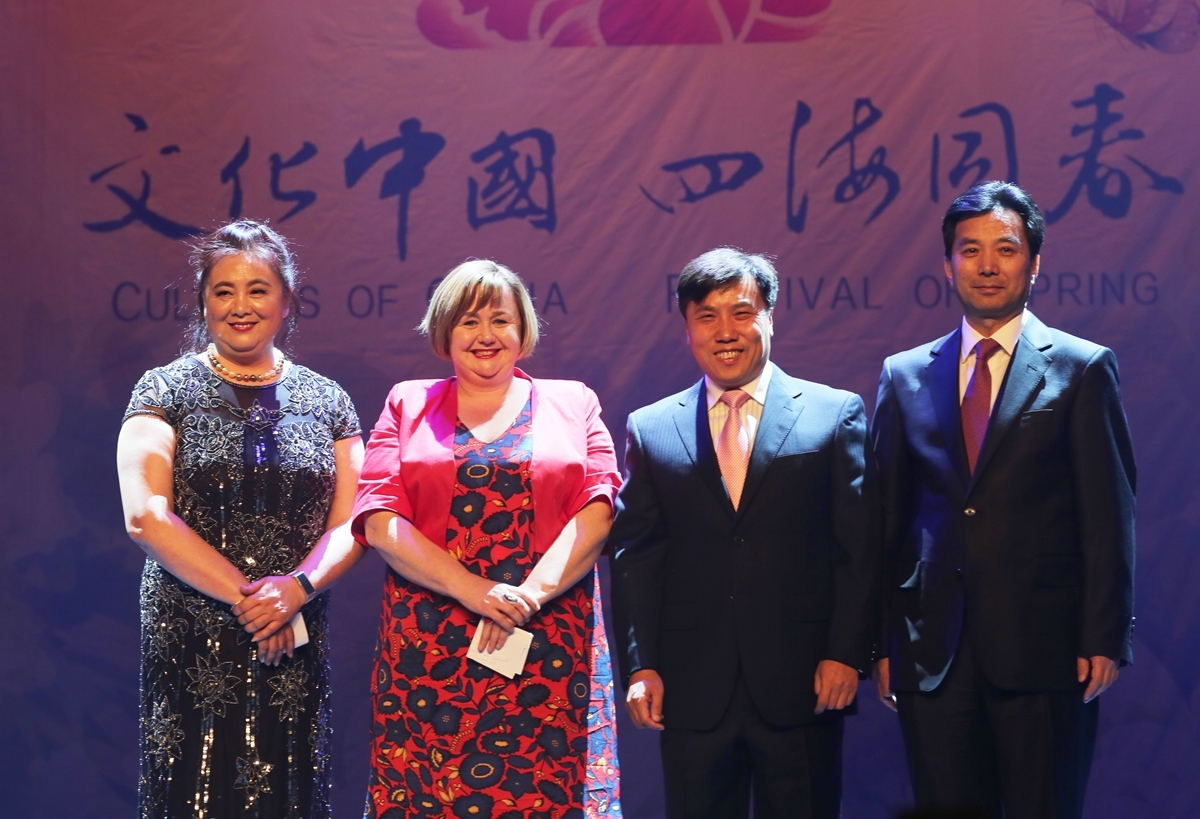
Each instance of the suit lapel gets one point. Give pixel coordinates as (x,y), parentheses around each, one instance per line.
(691,422)
(780,412)
(1025,376)
(941,382)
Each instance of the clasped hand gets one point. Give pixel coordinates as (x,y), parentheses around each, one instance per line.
(268,607)
(502,607)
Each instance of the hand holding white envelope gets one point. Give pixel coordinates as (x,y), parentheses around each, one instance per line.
(508,660)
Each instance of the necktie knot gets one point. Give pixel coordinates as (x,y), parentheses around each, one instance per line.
(734,398)
(985,349)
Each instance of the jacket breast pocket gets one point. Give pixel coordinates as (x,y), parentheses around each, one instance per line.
(793,460)
(1037,418)
(1040,431)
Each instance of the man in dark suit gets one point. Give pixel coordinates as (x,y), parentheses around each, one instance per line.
(743,570)
(1007,487)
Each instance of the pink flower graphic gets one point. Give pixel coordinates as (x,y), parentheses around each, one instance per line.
(491,23)
(1169,26)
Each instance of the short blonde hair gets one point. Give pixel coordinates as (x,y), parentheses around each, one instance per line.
(477,281)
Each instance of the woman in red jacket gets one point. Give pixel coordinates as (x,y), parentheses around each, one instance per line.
(489,495)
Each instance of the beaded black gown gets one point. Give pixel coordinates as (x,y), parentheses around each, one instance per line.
(223,735)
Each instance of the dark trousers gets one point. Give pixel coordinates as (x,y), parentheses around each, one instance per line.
(790,772)
(996,753)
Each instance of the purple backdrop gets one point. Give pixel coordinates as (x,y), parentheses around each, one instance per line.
(594,146)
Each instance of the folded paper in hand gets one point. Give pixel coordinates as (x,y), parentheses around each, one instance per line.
(299,631)
(510,659)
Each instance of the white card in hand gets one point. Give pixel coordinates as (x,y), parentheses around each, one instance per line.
(299,631)
(510,659)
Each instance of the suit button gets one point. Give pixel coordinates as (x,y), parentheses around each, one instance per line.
(739,541)
(969,511)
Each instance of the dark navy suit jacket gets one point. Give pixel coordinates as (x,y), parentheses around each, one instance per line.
(702,592)
(1035,551)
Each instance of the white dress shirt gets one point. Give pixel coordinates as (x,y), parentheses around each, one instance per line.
(1006,337)
(752,410)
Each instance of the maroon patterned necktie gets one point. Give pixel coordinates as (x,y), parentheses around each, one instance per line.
(977,401)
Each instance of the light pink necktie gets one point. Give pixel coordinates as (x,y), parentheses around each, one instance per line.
(733,445)
(977,400)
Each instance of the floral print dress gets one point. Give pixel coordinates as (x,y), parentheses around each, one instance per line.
(454,738)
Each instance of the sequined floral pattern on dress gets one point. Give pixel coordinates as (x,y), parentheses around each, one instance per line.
(222,734)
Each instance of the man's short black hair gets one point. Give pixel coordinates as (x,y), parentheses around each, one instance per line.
(725,267)
(986,197)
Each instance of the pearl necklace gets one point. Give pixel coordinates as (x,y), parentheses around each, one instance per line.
(252,378)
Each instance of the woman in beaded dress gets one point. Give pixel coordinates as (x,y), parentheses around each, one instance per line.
(237,470)
(489,495)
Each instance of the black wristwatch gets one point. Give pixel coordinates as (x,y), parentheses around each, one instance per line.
(305,583)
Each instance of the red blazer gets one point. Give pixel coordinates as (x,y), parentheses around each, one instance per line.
(409,464)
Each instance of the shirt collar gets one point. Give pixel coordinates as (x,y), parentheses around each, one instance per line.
(1006,336)
(757,388)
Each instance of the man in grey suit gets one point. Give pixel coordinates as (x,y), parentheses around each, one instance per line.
(1007,488)
(743,568)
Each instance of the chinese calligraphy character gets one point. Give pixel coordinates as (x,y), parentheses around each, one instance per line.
(138,204)
(520,181)
(1109,189)
(418,148)
(977,169)
(711,174)
(859,179)
(302,198)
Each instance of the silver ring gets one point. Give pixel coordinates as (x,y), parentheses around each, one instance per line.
(510,597)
